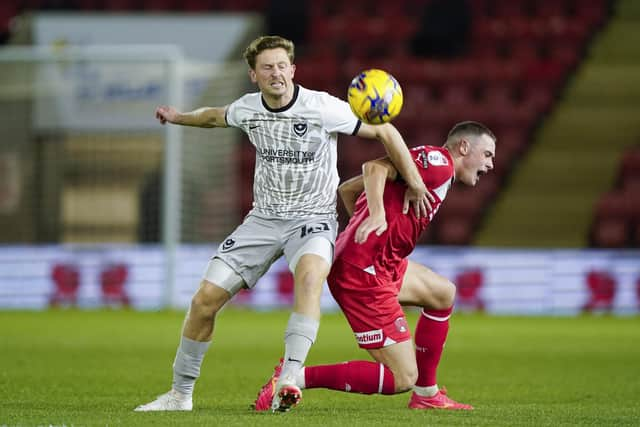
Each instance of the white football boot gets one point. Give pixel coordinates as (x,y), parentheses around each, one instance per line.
(170,401)
(287,396)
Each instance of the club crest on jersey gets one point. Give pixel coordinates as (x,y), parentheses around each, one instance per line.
(300,129)
(401,324)
(436,158)
(228,244)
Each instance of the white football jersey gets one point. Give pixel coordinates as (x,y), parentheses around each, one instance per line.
(296,173)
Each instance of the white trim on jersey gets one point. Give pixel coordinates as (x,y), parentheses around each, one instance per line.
(441,191)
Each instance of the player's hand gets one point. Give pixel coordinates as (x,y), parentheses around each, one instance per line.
(377,223)
(165,113)
(421,200)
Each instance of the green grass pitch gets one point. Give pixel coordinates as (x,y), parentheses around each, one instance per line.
(77,368)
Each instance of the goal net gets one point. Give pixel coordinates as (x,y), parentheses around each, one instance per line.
(83,159)
(84,162)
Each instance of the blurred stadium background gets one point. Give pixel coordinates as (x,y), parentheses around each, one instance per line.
(100,205)
(103,208)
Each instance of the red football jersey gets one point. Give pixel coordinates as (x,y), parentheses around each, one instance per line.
(386,252)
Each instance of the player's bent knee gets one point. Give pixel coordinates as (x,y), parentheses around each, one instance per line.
(427,289)
(405,379)
(448,296)
(441,294)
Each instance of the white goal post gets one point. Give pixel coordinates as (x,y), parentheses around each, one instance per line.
(93,108)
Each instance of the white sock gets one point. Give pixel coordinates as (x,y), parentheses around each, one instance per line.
(186,366)
(429,391)
(300,334)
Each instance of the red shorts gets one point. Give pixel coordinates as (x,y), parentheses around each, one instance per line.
(370,304)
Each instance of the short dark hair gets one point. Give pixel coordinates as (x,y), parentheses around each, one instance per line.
(267,42)
(468,128)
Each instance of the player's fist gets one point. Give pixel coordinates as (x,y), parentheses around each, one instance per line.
(165,113)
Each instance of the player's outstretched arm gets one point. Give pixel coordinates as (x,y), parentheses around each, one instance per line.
(205,117)
(417,194)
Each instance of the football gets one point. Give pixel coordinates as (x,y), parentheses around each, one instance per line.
(375,96)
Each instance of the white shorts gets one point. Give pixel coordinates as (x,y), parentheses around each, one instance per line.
(258,242)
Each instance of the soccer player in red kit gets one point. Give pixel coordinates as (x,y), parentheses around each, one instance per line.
(371,276)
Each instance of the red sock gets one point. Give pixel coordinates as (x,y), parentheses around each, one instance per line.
(357,376)
(430,335)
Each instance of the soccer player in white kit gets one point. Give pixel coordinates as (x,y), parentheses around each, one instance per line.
(295,134)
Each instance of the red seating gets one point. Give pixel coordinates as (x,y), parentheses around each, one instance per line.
(631,184)
(499,95)
(551,9)
(488,186)
(159,5)
(505,72)
(613,205)
(353,152)
(508,9)
(591,13)
(630,165)
(464,71)
(352,66)
(317,72)
(537,98)
(429,134)
(462,201)
(121,5)
(247,158)
(520,54)
(506,155)
(240,5)
(198,5)
(7,12)
(246,165)
(617,213)
(427,72)
(456,95)
(620,208)
(327,31)
(560,29)
(610,233)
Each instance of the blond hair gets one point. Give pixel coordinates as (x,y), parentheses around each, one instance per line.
(267,42)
